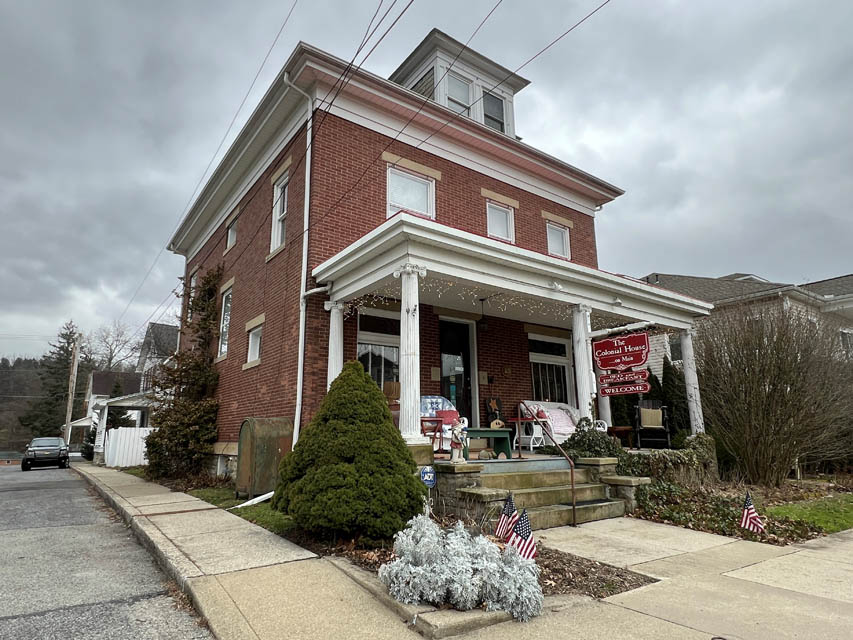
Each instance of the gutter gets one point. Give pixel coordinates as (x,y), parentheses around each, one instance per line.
(300,367)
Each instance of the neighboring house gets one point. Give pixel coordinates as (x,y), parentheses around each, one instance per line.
(451,258)
(101,384)
(830,299)
(160,343)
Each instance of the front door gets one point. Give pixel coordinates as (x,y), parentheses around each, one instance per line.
(455,341)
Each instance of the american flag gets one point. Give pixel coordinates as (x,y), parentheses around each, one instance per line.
(509,516)
(749,519)
(522,537)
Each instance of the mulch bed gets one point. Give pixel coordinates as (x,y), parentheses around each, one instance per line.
(559,573)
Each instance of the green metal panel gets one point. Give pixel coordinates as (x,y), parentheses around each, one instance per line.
(263,443)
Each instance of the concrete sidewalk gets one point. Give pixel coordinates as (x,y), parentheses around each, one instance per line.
(722,586)
(247,582)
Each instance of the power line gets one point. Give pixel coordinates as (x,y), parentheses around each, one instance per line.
(213,157)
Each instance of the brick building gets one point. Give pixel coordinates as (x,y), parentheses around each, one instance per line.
(414,231)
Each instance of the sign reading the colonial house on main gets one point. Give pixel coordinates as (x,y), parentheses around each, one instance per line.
(623,352)
(625,389)
(625,376)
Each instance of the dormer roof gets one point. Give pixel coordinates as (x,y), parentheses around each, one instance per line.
(438,40)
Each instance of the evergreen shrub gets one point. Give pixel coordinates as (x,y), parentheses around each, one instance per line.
(350,473)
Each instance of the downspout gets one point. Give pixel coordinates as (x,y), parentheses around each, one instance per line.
(300,367)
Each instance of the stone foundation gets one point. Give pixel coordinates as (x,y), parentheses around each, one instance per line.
(597,467)
(624,487)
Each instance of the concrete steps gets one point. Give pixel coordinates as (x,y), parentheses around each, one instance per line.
(534,479)
(558,515)
(546,493)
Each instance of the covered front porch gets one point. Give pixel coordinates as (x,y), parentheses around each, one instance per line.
(449,313)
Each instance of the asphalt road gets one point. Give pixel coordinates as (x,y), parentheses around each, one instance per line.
(70,568)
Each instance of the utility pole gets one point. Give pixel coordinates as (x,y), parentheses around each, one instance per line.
(72,385)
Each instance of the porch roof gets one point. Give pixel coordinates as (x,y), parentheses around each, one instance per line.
(130,401)
(487,268)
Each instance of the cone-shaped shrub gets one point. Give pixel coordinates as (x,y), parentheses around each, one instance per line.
(350,472)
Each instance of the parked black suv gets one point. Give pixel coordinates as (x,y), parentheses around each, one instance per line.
(45,452)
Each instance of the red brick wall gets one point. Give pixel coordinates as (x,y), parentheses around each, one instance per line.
(342,151)
(272,288)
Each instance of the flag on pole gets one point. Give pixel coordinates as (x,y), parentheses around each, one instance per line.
(509,516)
(522,537)
(749,519)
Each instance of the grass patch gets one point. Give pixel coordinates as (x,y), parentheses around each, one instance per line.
(260,514)
(138,471)
(831,514)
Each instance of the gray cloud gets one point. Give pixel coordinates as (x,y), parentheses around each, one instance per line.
(727,124)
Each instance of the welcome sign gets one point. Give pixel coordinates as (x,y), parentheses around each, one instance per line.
(623,352)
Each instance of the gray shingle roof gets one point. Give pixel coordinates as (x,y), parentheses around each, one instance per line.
(842,285)
(103,382)
(710,289)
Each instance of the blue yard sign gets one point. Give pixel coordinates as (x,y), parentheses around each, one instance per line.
(428,476)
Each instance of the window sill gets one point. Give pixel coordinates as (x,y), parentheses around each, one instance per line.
(227,249)
(561,257)
(275,252)
(220,358)
(251,363)
(499,239)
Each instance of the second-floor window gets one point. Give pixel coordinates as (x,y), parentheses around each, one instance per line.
(410,192)
(500,222)
(558,241)
(493,112)
(191,295)
(231,234)
(255,336)
(279,213)
(458,94)
(224,323)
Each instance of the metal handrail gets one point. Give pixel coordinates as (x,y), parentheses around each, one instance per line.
(535,418)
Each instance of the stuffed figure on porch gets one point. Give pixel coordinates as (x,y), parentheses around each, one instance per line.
(457,440)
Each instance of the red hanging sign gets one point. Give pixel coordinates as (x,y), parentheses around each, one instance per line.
(623,352)
(626,389)
(625,376)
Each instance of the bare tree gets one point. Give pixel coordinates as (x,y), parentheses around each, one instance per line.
(776,389)
(114,346)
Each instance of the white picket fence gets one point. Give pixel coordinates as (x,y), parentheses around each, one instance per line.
(125,447)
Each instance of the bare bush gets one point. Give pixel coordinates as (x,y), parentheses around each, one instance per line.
(776,389)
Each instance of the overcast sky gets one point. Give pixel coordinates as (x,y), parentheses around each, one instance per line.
(728,124)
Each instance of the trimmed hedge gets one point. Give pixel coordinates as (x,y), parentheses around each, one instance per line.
(350,473)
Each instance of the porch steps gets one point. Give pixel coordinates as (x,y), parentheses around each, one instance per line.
(543,487)
(558,515)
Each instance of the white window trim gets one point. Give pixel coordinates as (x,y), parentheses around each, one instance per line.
(503,109)
(228,292)
(249,354)
(467,105)
(566,361)
(510,225)
(279,187)
(566,234)
(411,174)
(231,234)
(191,294)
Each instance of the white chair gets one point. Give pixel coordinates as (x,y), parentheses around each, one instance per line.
(532,436)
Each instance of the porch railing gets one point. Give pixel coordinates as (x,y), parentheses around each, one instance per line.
(547,432)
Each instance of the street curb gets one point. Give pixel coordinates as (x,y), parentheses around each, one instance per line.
(167,555)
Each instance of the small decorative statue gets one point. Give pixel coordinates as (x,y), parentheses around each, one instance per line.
(458,432)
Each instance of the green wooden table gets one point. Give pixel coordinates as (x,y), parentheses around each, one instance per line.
(501,441)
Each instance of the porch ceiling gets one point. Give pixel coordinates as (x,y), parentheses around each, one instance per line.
(463,268)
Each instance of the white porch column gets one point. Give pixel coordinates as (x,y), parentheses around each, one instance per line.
(582,358)
(603,401)
(336,340)
(102,429)
(691,382)
(410,355)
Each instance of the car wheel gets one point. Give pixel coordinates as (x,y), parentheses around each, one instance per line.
(25,466)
